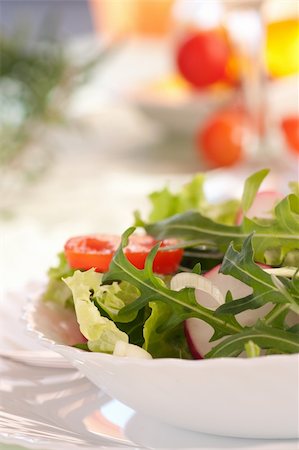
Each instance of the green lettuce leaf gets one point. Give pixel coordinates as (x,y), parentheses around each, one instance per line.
(166,204)
(191,197)
(101,332)
(107,300)
(56,290)
(111,298)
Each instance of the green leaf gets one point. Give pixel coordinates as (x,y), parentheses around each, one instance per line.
(135,328)
(170,343)
(294,329)
(81,346)
(252,350)
(294,187)
(294,203)
(191,197)
(225,212)
(251,187)
(102,333)
(197,268)
(277,316)
(282,232)
(241,266)
(164,204)
(196,228)
(56,290)
(292,259)
(111,298)
(264,336)
(181,304)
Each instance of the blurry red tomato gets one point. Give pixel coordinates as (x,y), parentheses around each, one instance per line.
(220,140)
(202,59)
(290,126)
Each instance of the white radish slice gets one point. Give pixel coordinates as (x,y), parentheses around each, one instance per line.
(198,333)
(211,297)
(262,206)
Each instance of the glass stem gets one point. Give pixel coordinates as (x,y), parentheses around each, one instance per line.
(245,24)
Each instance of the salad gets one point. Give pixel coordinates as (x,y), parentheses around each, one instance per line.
(199,280)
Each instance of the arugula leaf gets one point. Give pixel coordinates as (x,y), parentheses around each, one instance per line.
(196,229)
(264,336)
(267,288)
(240,265)
(282,232)
(251,187)
(181,304)
(169,343)
(135,328)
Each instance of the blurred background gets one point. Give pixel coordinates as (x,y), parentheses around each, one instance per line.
(103,101)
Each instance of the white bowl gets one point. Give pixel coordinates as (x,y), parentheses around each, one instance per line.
(250,398)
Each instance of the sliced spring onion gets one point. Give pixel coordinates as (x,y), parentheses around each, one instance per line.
(288,272)
(193,280)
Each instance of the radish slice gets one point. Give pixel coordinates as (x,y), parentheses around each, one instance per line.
(262,206)
(210,296)
(198,333)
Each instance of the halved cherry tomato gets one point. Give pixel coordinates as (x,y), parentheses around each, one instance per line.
(85,252)
(203,58)
(290,126)
(221,139)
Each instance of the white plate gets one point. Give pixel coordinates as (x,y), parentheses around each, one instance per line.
(59,409)
(15,343)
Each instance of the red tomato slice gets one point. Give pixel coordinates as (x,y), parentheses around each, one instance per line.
(85,252)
